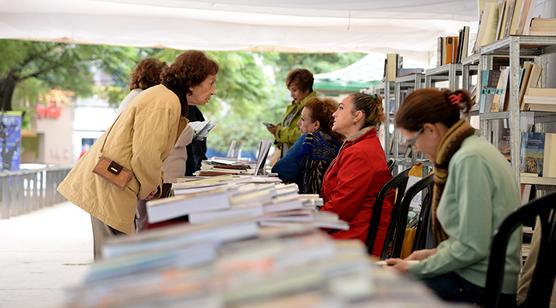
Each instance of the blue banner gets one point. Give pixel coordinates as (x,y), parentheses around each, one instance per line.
(10,140)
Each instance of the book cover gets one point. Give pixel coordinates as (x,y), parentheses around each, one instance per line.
(532,153)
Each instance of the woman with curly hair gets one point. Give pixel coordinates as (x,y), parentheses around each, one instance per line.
(145,75)
(140,140)
(310,156)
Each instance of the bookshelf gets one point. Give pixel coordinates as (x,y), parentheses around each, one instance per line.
(402,87)
(448,72)
(513,49)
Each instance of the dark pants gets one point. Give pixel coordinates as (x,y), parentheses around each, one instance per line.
(453,288)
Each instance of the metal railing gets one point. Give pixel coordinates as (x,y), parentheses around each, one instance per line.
(28,190)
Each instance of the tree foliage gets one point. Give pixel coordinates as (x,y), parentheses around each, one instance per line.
(250,85)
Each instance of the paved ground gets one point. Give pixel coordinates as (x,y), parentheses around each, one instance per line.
(41,254)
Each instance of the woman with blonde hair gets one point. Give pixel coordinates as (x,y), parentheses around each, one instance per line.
(358,173)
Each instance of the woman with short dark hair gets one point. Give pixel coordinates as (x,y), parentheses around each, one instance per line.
(300,84)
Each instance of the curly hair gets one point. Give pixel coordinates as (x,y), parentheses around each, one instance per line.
(371,106)
(432,106)
(322,110)
(301,78)
(146,74)
(188,70)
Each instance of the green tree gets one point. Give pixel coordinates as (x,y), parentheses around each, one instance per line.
(35,67)
(250,86)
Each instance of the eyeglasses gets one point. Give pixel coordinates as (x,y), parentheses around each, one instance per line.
(411,141)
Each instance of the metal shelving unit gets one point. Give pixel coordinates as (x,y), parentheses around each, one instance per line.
(515,48)
(405,83)
(448,72)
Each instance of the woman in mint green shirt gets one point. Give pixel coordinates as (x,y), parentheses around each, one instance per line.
(474,190)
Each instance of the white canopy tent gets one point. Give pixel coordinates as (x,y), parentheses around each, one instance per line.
(406,26)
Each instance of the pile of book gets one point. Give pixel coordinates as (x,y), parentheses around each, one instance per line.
(265,199)
(230,263)
(229,165)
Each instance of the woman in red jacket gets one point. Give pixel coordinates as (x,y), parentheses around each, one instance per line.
(355,177)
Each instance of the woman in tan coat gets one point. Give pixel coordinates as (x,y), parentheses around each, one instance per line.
(140,140)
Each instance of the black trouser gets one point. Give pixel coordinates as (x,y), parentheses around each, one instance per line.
(453,288)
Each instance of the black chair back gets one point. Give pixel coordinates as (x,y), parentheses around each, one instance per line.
(398,183)
(398,222)
(423,234)
(391,163)
(540,289)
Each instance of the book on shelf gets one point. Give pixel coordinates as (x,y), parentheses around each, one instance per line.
(532,82)
(543,26)
(499,100)
(502,10)
(173,207)
(488,22)
(531,153)
(391,65)
(489,82)
(540,99)
(549,161)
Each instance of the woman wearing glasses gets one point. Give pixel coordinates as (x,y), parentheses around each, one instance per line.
(355,177)
(474,190)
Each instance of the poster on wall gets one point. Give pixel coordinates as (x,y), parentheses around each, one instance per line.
(10,140)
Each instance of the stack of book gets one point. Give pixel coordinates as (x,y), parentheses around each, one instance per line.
(267,201)
(192,265)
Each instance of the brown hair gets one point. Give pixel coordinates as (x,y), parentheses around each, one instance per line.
(146,74)
(432,106)
(188,70)
(322,110)
(371,106)
(301,78)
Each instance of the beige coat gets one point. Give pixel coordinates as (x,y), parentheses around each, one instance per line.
(140,140)
(174,165)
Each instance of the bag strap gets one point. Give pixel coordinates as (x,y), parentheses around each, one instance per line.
(108,133)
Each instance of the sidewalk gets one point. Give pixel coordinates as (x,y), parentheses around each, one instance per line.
(41,254)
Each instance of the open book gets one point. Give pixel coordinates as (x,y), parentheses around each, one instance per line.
(201,128)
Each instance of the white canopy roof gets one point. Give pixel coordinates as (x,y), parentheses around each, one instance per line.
(406,26)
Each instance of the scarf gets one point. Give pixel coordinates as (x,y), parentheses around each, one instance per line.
(448,146)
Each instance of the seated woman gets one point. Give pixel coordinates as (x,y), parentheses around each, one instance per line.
(474,190)
(310,156)
(355,177)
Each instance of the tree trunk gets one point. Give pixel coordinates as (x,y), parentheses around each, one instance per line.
(7,87)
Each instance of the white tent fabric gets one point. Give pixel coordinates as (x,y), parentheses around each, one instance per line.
(407,26)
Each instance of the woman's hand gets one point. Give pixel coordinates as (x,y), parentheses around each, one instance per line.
(398,264)
(421,254)
(151,195)
(272,129)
